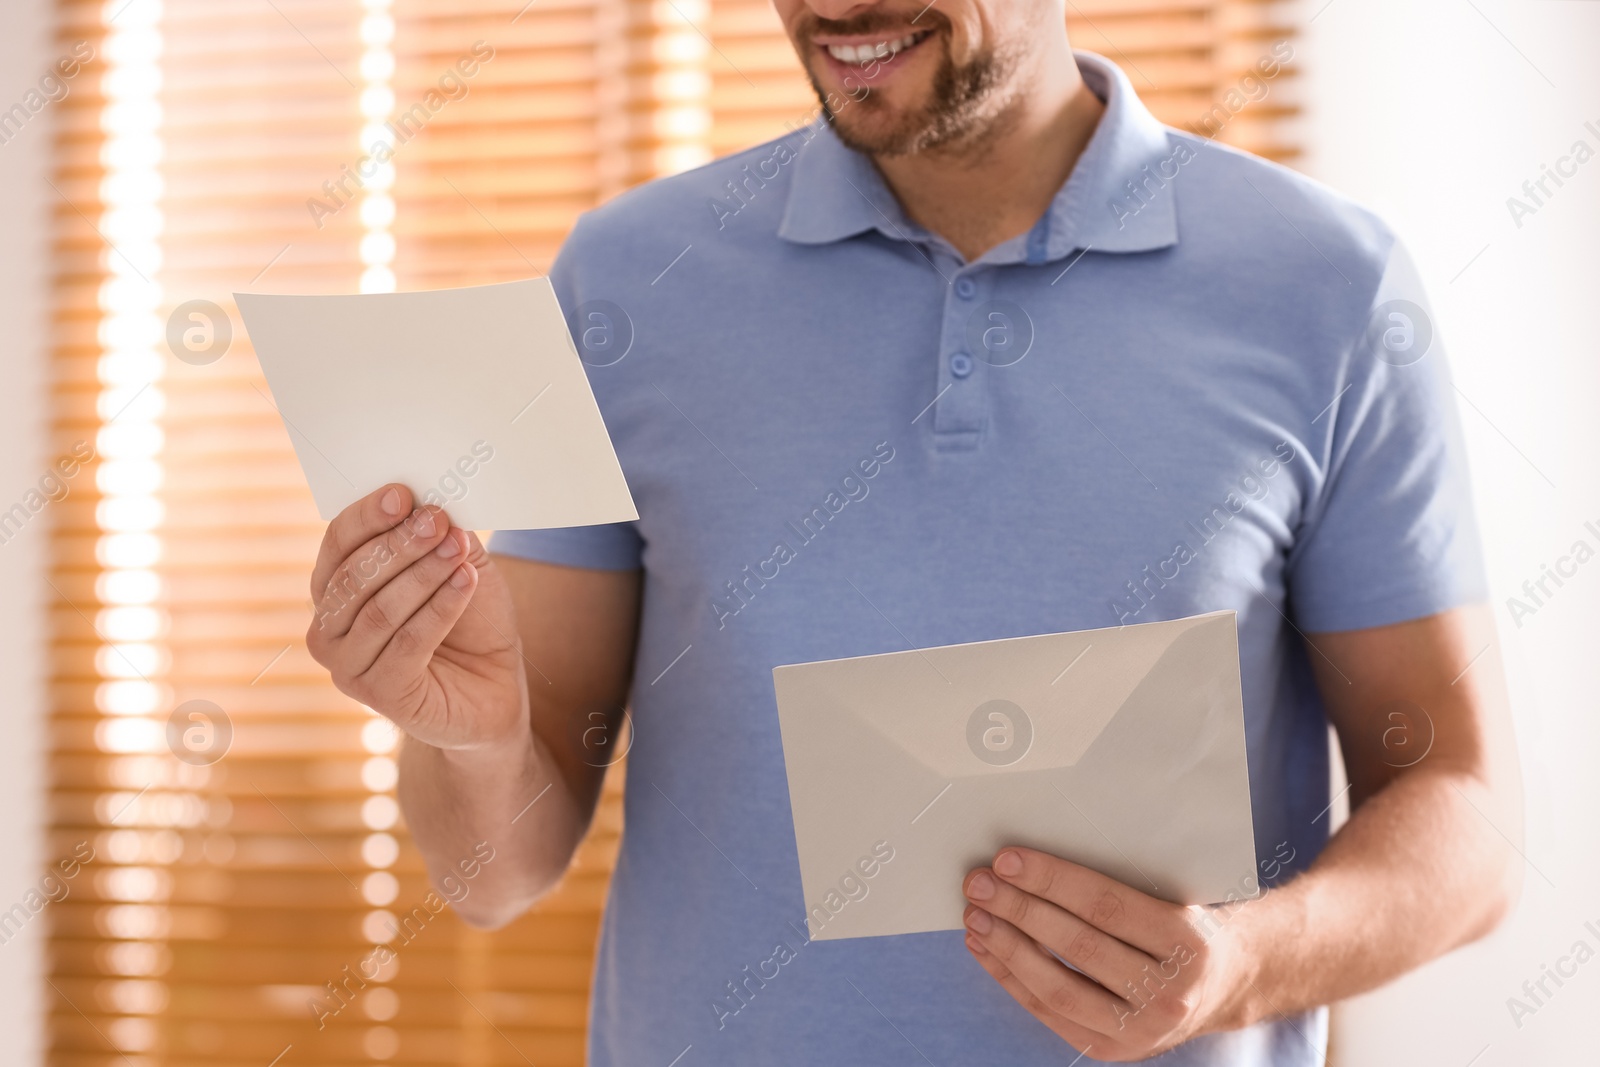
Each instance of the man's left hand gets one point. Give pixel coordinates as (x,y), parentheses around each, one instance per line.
(1153,974)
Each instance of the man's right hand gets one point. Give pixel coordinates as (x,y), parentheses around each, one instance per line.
(414,619)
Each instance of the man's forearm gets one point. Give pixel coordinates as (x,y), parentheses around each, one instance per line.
(1417,871)
(512,797)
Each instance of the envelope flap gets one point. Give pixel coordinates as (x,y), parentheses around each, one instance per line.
(1034,703)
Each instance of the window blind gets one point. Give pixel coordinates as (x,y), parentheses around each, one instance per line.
(228,815)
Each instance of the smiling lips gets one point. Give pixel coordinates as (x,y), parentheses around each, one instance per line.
(862,54)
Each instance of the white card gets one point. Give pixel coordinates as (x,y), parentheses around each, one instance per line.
(474,398)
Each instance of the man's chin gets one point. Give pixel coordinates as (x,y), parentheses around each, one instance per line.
(906,118)
(888,135)
(871,116)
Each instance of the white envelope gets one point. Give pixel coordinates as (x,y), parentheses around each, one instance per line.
(1120,749)
(474,398)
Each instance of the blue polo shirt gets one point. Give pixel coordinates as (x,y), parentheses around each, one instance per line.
(1199,382)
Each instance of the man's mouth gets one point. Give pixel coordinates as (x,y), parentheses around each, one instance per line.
(859,53)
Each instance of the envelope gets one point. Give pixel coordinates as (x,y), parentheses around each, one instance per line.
(475,398)
(1121,749)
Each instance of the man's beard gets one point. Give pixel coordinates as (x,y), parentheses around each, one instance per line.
(963,105)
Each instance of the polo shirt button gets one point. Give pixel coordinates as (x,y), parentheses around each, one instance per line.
(960,364)
(966,288)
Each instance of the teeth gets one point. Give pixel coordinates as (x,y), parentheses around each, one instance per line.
(864,53)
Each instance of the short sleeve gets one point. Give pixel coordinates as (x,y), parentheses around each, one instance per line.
(613,546)
(1389,532)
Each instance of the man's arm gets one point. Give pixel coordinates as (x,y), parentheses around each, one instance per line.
(487,664)
(1425,864)
(1430,859)
(532,798)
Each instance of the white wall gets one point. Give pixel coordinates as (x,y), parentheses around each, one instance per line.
(25,53)
(1427,111)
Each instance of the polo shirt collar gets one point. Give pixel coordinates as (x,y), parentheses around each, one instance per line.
(836,192)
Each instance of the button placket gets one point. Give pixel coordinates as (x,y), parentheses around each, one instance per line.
(961,412)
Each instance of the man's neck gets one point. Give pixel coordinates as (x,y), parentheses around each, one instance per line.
(988,189)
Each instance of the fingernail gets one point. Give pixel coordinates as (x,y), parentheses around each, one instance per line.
(981,887)
(1008,864)
(462,577)
(423,525)
(448,548)
(390,502)
(975,945)
(979,922)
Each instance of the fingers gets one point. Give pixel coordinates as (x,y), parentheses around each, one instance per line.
(1150,925)
(396,601)
(1083,1039)
(1056,989)
(1102,957)
(372,566)
(413,644)
(355,526)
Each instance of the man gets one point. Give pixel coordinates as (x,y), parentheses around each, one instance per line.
(992,354)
